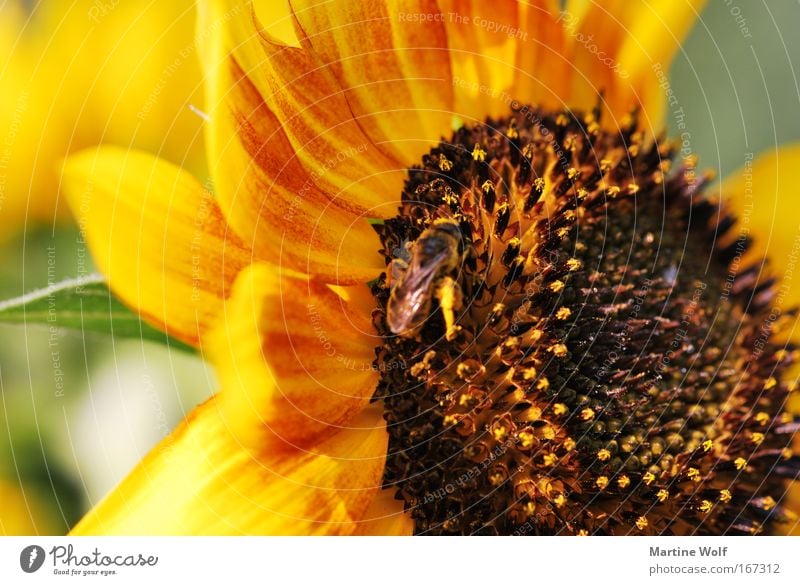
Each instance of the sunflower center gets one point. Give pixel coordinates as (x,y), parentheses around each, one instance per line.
(571,344)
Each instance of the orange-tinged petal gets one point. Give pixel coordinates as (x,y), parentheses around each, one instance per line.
(304,96)
(156,234)
(282,208)
(386,517)
(200,480)
(543,66)
(294,357)
(392,66)
(482,59)
(763,194)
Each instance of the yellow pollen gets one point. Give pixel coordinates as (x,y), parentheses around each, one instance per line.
(569,444)
(550,459)
(768,503)
(601,482)
(557,286)
(605,165)
(496,478)
(693,474)
(613,190)
(705,506)
(604,454)
(530,508)
(648,478)
(770,383)
(487,186)
(548,432)
(641,523)
(512,133)
(562,120)
(587,414)
(533,413)
(478,154)
(574,264)
(559,500)
(786,452)
(526,439)
(708,444)
(529,374)
(543,383)
(757,438)
(499,433)
(582,193)
(562,232)
(464,400)
(444,164)
(725,496)
(538,183)
(786,417)
(563,313)
(450,420)
(572,173)
(633,188)
(762,418)
(740,462)
(583,532)
(662,495)
(560,408)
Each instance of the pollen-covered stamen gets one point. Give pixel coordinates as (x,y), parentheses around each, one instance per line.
(595,360)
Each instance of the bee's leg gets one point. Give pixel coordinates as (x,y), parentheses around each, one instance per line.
(449,295)
(397,268)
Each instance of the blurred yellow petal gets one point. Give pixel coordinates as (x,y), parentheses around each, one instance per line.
(21,512)
(85,72)
(157,235)
(200,480)
(622,48)
(294,358)
(763,195)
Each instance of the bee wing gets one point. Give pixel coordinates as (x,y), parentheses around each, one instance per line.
(410,299)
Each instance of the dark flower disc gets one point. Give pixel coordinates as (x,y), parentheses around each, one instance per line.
(591,355)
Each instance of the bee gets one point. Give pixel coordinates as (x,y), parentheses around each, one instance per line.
(425,272)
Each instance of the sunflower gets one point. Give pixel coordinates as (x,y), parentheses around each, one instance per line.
(127,77)
(453,280)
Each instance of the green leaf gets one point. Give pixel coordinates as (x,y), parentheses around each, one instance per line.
(83,304)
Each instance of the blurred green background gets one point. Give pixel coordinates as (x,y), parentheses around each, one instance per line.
(77,412)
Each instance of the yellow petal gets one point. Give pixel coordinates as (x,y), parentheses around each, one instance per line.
(200,480)
(156,234)
(302,205)
(482,60)
(391,66)
(295,359)
(22,513)
(624,49)
(386,517)
(543,58)
(84,72)
(763,195)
